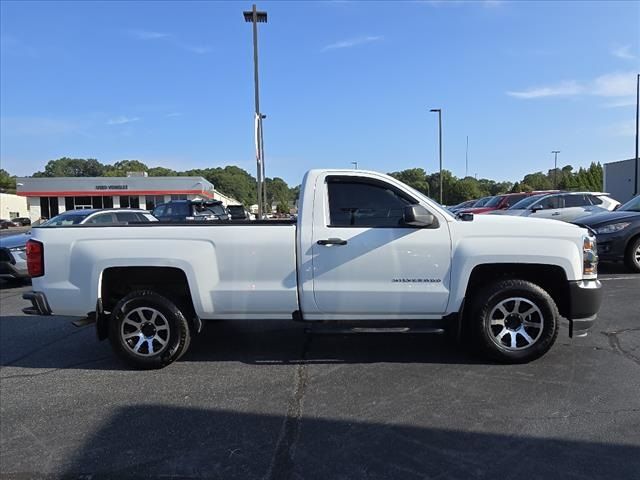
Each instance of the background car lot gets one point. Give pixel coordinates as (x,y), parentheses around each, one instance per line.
(264,400)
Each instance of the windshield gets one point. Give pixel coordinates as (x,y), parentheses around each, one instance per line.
(216,210)
(525,202)
(494,201)
(482,202)
(65,219)
(235,209)
(632,205)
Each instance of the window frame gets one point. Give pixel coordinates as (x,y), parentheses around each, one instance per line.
(370,181)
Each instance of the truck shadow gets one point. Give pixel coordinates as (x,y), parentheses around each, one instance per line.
(158,441)
(52,343)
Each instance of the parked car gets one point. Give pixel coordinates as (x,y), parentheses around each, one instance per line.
(191,210)
(365,248)
(13,257)
(238,212)
(13,262)
(618,233)
(4,224)
(460,206)
(500,202)
(22,221)
(565,206)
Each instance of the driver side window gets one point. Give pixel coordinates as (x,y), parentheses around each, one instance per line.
(547,204)
(364,203)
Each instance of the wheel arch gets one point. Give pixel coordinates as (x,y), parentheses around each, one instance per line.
(170,282)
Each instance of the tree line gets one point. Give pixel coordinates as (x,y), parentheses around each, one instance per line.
(241,185)
(456,190)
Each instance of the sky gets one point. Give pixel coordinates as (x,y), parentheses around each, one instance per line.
(171,84)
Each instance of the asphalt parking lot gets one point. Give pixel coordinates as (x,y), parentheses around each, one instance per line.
(266,401)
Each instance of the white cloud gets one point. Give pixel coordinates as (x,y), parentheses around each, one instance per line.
(625,102)
(199,49)
(623,129)
(624,52)
(352,42)
(618,84)
(561,89)
(148,35)
(122,120)
(37,126)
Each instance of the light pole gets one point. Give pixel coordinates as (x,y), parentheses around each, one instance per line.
(439,144)
(555,168)
(264,176)
(255,17)
(355,165)
(635,190)
(466,159)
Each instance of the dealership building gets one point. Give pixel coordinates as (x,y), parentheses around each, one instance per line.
(621,179)
(49,196)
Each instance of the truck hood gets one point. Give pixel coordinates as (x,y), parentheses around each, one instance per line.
(515,226)
(12,241)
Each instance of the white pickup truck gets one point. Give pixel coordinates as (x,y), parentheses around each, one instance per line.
(366,250)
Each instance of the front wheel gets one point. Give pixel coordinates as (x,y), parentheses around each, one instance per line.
(514,321)
(632,256)
(148,330)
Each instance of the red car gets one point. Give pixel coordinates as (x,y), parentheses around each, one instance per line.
(502,202)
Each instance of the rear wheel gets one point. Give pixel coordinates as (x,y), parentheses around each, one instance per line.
(148,330)
(514,321)
(632,256)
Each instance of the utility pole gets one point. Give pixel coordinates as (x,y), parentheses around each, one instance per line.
(466,159)
(635,189)
(264,176)
(555,169)
(439,111)
(355,165)
(255,17)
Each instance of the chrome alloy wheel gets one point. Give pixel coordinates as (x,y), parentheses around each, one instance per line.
(637,255)
(145,331)
(516,323)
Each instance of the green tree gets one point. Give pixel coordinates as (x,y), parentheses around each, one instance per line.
(72,167)
(462,190)
(7,182)
(538,181)
(414,177)
(161,172)
(121,168)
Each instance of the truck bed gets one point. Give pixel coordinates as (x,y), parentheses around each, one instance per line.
(233,271)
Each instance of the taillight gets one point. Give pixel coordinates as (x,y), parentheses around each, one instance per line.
(35,258)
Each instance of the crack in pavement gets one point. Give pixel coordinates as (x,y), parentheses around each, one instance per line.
(614,341)
(282,463)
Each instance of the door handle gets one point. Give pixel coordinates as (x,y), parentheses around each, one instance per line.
(556,213)
(332,241)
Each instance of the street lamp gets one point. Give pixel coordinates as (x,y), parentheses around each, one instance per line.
(555,168)
(439,144)
(264,176)
(635,190)
(255,17)
(355,165)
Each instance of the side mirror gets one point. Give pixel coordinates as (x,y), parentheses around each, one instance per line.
(418,216)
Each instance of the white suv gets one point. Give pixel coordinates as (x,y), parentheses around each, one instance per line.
(565,206)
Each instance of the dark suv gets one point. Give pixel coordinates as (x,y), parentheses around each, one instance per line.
(191,210)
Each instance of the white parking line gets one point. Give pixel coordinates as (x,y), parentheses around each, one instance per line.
(637,277)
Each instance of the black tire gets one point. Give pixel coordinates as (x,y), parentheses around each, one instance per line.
(631,259)
(533,334)
(169,326)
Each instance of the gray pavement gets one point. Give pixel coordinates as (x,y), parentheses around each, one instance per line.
(264,400)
